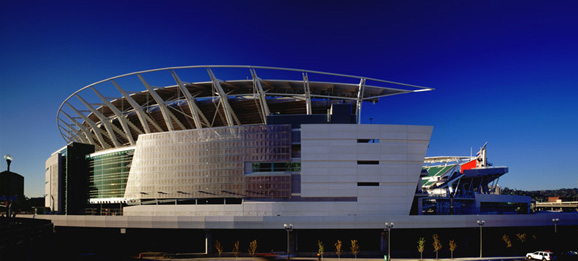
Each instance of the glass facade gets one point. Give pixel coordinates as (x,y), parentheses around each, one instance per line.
(109,174)
(210,163)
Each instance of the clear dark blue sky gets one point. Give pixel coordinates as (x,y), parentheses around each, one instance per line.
(505,72)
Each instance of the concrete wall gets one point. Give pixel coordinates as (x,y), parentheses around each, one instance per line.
(312,222)
(331,175)
(53,181)
(330,167)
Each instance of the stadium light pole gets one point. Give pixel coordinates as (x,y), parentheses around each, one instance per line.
(481,223)
(8,159)
(555,220)
(388,226)
(288,228)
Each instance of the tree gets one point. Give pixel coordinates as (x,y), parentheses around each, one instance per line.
(236,249)
(507,240)
(253,248)
(354,248)
(436,244)
(453,247)
(521,237)
(421,247)
(338,249)
(219,247)
(321,249)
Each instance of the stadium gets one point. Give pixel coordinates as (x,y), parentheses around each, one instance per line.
(223,148)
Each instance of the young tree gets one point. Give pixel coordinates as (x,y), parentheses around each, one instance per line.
(507,240)
(436,244)
(321,248)
(453,247)
(219,247)
(354,248)
(338,249)
(236,249)
(253,248)
(521,237)
(421,247)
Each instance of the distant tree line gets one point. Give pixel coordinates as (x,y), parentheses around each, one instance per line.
(568,194)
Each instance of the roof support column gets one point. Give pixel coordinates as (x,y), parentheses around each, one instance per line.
(142,116)
(262,97)
(74,134)
(104,120)
(360,93)
(86,132)
(307,94)
(95,128)
(196,113)
(167,114)
(123,121)
(224,99)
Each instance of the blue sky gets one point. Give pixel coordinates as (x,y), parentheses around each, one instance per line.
(505,72)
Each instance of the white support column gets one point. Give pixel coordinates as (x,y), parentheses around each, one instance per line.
(224,100)
(262,97)
(72,132)
(307,94)
(104,120)
(198,116)
(123,121)
(167,114)
(68,137)
(97,131)
(360,93)
(142,116)
(86,132)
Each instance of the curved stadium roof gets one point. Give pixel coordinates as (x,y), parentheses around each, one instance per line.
(113,112)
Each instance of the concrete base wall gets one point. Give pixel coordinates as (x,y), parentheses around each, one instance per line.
(312,222)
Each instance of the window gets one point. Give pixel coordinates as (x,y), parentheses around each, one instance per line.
(210,201)
(368,162)
(367,140)
(231,201)
(368,184)
(273,167)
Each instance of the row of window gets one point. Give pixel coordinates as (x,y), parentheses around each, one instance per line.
(275,166)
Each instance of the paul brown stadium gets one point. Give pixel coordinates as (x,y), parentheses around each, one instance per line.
(230,149)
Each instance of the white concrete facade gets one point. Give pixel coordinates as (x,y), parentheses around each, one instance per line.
(341,175)
(382,175)
(52,183)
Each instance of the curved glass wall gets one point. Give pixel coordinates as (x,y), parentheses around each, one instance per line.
(109,174)
(210,163)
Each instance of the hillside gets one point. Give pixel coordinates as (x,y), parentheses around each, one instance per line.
(568,194)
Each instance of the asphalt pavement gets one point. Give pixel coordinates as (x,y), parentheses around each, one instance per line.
(510,258)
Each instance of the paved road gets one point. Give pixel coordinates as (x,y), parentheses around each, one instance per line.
(516,258)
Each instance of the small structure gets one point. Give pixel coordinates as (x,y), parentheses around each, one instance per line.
(557,204)
(465,185)
(11,187)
